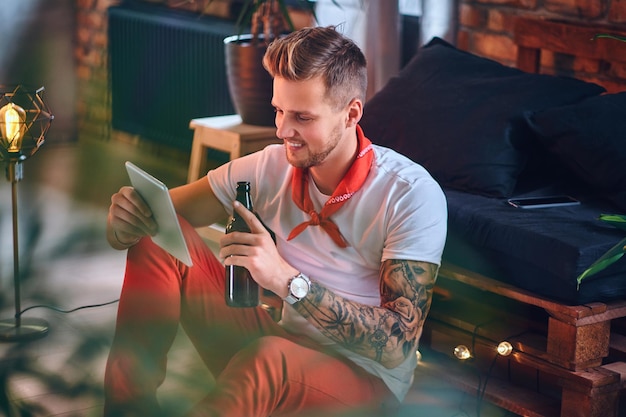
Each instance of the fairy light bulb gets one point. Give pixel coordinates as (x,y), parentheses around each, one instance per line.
(418,355)
(12,126)
(462,352)
(505,348)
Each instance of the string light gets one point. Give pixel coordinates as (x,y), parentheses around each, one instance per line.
(462,352)
(504,348)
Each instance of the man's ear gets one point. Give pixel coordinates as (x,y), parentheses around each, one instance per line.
(355,112)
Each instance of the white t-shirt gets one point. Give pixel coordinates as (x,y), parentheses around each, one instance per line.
(399,213)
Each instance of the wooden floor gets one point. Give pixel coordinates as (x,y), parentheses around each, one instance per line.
(66,264)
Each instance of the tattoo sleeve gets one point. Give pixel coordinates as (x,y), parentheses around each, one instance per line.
(387,333)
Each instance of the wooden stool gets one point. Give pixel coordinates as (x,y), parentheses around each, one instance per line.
(227,134)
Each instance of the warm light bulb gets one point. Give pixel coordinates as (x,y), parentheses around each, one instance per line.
(418,355)
(505,348)
(462,352)
(12,126)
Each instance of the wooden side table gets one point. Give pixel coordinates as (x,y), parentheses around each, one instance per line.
(227,134)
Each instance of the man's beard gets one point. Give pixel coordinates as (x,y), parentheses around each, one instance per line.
(319,157)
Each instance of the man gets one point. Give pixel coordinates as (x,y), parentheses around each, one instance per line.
(359,230)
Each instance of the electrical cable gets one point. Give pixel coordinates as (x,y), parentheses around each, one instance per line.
(480,380)
(480,394)
(59,310)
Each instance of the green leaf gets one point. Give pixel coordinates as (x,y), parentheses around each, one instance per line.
(285,12)
(616,220)
(611,256)
(608,36)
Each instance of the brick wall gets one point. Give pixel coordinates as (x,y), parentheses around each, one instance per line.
(90,51)
(485,28)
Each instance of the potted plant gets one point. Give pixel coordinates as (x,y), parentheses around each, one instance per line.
(249,84)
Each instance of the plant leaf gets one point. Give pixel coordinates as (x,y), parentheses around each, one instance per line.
(285,13)
(610,257)
(608,36)
(245,16)
(615,220)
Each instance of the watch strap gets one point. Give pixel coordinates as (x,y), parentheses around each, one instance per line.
(291,299)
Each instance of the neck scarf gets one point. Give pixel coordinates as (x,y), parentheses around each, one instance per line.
(351,182)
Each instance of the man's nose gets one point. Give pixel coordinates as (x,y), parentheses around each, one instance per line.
(283,128)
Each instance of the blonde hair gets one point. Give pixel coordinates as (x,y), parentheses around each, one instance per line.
(320,52)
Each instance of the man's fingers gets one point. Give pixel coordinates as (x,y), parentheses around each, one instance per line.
(250,218)
(130,208)
(133,197)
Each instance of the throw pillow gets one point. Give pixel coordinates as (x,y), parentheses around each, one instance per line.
(588,138)
(461,116)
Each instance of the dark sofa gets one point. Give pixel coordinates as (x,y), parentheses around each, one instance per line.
(488,132)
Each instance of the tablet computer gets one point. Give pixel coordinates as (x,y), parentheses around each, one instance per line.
(169,235)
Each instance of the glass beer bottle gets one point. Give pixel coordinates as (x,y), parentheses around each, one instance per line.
(241,289)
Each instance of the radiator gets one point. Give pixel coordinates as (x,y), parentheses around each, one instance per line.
(166,68)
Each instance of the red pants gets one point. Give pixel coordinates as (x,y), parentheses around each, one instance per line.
(260,368)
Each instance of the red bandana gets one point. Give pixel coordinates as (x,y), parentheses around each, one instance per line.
(350,184)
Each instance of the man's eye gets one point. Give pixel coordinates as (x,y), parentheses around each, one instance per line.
(303,118)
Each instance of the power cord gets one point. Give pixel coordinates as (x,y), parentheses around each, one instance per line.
(480,394)
(66,311)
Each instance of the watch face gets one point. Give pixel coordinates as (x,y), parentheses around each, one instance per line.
(299,287)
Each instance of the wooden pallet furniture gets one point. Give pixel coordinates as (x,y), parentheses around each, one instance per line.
(567,360)
(534,36)
(564,360)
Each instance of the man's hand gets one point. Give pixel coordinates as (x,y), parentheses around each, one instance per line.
(257,252)
(129,219)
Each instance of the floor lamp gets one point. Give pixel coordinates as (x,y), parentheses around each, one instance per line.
(24,121)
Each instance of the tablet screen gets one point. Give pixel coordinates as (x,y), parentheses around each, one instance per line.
(156,195)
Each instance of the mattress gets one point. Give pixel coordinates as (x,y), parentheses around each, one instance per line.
(539,250)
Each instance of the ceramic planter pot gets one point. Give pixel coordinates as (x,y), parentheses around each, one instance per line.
(249,83)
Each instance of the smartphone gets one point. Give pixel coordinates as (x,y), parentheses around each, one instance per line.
(543,202)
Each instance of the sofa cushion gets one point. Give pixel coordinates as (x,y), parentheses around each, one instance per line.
(541,250)
(461,116)
(588,138)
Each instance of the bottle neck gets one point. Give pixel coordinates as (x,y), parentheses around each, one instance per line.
(243,195)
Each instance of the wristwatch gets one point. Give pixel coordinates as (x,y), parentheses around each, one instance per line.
(298,288)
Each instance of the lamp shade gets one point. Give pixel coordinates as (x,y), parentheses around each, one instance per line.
(24,121)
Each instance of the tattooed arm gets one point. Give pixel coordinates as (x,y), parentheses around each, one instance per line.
(388,333)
